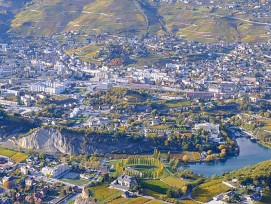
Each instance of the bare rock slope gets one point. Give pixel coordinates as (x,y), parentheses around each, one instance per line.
(48,140)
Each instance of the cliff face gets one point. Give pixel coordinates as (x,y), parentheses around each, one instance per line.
(48,140)
(68,141)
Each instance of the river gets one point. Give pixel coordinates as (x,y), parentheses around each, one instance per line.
(250,153)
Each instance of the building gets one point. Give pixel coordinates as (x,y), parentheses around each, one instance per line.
(29,182)
(124,183)
(212,129)
(24,170)
(199,95)
(55,171)
(48,87)
(209,127)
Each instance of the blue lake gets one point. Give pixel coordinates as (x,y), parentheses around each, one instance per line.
(250,153)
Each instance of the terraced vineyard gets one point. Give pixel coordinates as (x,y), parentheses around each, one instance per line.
(203,23)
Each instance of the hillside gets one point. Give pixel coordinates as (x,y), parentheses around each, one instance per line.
(203,21)
(10,124)
(8,9)
(51,16)
(84,141)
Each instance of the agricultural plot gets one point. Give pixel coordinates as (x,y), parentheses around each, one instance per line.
(16,156)
(7,152)
(193,156)
(139,200)
(155,186)
(104,194)
(207,191)
(174,182)
(19,157)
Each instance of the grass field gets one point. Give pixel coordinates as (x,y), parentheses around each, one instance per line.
(177,104)
(104,194)
(77,181)
(142,168)
(173,181)
(207,191)
(7,152)
(155,186)
(16,156)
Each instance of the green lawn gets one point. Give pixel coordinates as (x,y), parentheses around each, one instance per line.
(77,181)
(16,156)
(173,181)
(142,168)
(177,104)
(19,157)
(7,152)
(155,186)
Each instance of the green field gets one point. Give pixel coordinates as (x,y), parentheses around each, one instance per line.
(177,104)
(173,181)
(77,181)
(156,186)
(142,168)
(7,152)
(16,156)
(19,157)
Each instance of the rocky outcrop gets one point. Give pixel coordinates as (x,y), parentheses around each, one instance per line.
(75,141)
(49,140)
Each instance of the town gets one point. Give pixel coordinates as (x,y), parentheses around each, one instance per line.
(115,119)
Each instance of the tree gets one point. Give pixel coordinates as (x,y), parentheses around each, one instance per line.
(267,114)
(223,152)
(209,158)
(7,185)
(63,192)
(168,156)
(185,158)
(153,113)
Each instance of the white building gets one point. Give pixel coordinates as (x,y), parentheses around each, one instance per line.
(213,129)
(24,170)
(210,127)
(48,87)
(55,171)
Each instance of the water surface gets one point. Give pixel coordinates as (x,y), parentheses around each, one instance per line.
(250,153)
